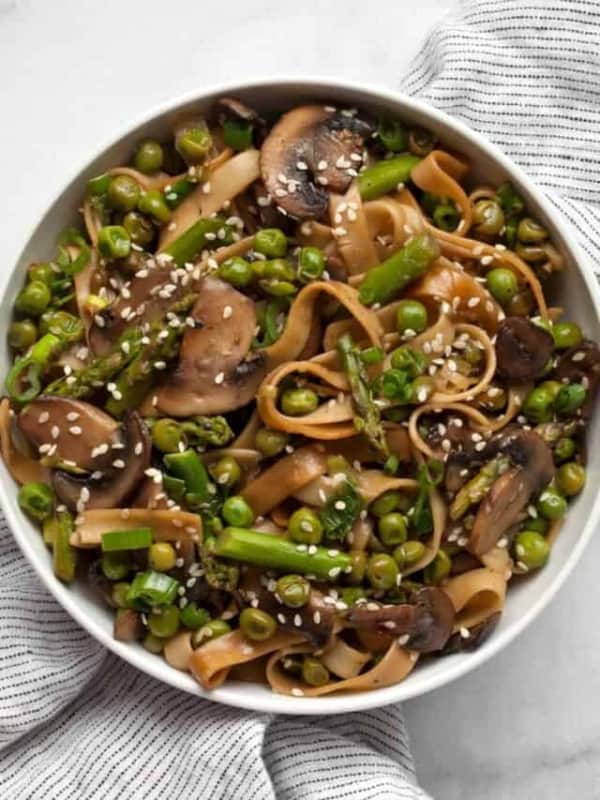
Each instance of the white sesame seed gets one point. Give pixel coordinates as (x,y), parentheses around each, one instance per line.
(340,505)
(297,692)
(75,430)
(465,632)
(43,417)
(219,378)
(485,260)
(118,463)
(317,617)
(403,640)
(55,431)
(297,620)
(227,312)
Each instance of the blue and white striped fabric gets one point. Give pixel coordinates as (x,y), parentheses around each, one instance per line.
(76,722)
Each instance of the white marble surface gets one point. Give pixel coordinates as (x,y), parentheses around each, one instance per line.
(525,726)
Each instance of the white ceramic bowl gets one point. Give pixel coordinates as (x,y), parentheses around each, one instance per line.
(575,289)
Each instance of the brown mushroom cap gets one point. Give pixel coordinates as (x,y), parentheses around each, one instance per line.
(581,365)
(215,374)
(510,494)
(75,427)
(119,482)
(478,634)
(427,620)
(522,349)
(322,142)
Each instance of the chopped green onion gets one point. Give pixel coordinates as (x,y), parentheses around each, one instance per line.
(149,589)
(189,468)
(237,134)
(133,539)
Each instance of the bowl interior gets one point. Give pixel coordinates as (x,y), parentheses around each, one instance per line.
(572,290)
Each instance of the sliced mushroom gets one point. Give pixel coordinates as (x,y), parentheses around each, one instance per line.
(75,433)
(128,626)
(308,152)
(316,618)
(112,487)
(511,493)
(427,619)
(459,643)
(581,365)
(522,349)
(216,372)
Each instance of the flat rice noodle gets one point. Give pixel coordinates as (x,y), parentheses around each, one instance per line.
(352,235)
(300,317)
(342,660)
(391,222)
(498,560)
(446,281)
(211,663)
(482,382)
(315,234)
(83,289)
(91,220)
(283,478)
(246,437)
(439,173)
(150,495)
(166,526)
(391,669)
(226,180)
(476,595)
(22,468)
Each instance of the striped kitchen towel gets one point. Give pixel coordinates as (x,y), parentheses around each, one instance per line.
(76,722)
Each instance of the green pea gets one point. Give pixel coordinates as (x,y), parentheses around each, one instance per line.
(298,402)
(409,553)
(22,334)
(193,144)
(530,231)
(168,435)
(164,622)
(392,529)
(272,242)
(237,512)
(277,288)
(123,193)
(551,505)
(314,672)
(236,271)
(566,334)
(538,524)
(564,449)
(67,326)
(532,253)
(226,472)
(446,217)
(521,305)
(257,625)
(279,269)
(305,527)
(411,315)
(358,567)
(162,556)
(569,398)
(350,595)
(552,387)
(488,217)
(293,590)
(388,502)
(153,644)
(193,617)
(119,594)
(148,156)
(531,549)
(392,134)
(140,229)
(420,141)
(408,360)
(153,204)
(438,569)
(36,500)
(270,442)
(372,355)
(116,566)
(311,264)
(41,272)
(33,299)
(212,630)
(98,186)
(114,241)
(382,571)
(538,405)
(502,284)
(570,478)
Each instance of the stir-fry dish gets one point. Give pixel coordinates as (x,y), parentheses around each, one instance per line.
(293,401)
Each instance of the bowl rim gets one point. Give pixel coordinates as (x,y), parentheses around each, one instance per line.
(271,702)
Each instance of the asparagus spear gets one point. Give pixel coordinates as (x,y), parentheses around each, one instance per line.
(215,431)
(187,246)
(384,176)
(384,282)
(65,555)
(367,418)
(272,552)
(475,490)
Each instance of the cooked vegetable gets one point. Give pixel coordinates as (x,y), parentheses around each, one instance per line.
(386,176)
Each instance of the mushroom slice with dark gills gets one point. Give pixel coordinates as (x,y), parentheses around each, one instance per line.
(70,432)
(230,109)
(216,372)
(522,349)
(111,487)
(309,152)
(426,620)
(531,470)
